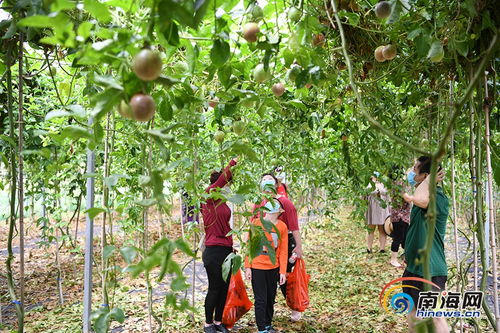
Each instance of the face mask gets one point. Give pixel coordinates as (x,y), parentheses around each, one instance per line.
(268,184)
(411,178)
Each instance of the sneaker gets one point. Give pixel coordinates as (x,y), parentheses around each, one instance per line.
(271,329)
(382,251)
(296,315)
(210,329)
(221,328)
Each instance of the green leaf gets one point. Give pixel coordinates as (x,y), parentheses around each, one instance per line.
(44,152)
(182,245)
(174,268)
(192,53)
(414,33)
(226,266)
(105,102)
(220,52)
(255,247)
(298,104)
(239,147)
(100,320)
(134,270)
(76,110)
(112,180)
(462,47)
(128,253)
(165,110)
(75,132)
(269,226)
(117,314)
(237,199)
(496,173)
(163,268)
(108,81)
(422,45)
(11,31)
(181,11)
(397,9)
(224,74)
(146,202)
(98,10)
(170,31)
(302,78)
(84,30)
(60,5)
(7,139)
(270,249)
(237,261)
(200,8)
(166,81)
(353,18)
(179,284)
(94,211)
(108,251)
(40,21)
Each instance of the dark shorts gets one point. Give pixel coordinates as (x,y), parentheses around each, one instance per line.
(414,293)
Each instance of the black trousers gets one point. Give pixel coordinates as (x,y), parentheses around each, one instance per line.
(213,257)
(264,285)
(440,281)
(289,267)
(400,229)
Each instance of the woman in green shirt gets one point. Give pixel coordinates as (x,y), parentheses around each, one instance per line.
(417,234)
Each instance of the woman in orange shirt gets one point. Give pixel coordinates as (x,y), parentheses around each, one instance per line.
(264,274)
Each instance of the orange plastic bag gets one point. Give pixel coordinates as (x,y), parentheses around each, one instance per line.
(237,301)
(297,287)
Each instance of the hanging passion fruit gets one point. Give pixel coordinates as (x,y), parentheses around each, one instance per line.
(147,65)
(143,107)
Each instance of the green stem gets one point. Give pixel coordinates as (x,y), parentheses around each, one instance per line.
(13,190)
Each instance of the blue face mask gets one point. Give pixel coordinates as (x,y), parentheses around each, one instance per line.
(268,184)
(411,178)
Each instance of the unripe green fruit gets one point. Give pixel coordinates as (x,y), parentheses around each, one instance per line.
(219,137)
(294,14)
(260,74)
(239,127)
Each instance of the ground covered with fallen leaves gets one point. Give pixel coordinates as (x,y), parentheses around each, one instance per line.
(344,287)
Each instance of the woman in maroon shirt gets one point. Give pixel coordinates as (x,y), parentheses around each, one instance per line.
(216,215)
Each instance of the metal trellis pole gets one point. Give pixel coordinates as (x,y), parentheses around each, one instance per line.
(89,236)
